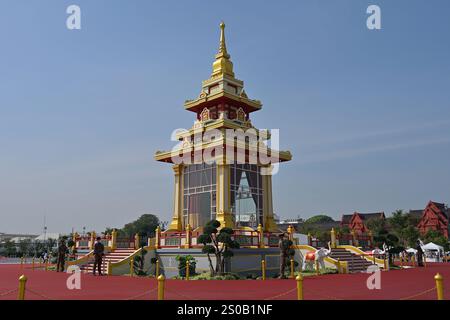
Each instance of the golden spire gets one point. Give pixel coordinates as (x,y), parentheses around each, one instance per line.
(223,64)
(223,45)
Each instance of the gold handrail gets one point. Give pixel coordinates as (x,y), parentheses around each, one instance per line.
(359,252)
(81,260)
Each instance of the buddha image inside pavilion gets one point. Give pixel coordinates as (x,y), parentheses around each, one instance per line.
(236,193)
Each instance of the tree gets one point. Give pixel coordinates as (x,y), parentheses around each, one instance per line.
(398,221)
(182,265)
(321,218)
(51,243)
(38,248)
(10,248)
(404,227)
(138,263)
(145,226)
(108,230)
(437,238)
(323,236)
(218,243)
(410,236)
(24,246)
(376,225)
(286,246)
(316,225)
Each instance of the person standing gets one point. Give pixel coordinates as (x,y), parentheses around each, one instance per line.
(283,246)
(44,257)
(99,249)
(62,251)
(419,253)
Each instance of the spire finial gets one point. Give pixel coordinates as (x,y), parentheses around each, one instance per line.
(222,64)
(223,45)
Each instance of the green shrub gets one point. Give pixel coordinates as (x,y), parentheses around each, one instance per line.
(182,265)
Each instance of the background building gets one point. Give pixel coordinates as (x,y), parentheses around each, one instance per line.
(434,217)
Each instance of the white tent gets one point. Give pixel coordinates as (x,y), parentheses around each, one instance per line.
(411,250)
(46,236)
(433,252)
(432,246)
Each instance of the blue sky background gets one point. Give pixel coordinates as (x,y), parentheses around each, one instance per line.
(365,114)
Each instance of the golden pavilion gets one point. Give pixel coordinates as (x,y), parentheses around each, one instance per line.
(236,193)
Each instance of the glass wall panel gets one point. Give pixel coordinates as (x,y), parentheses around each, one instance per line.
(200,195)
(246,195)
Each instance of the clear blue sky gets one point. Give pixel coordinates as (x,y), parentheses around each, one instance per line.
(365,114)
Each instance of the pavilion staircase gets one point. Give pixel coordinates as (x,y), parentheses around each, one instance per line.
(355,262)
(114,256)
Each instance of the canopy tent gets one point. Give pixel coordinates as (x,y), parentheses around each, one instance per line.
(411,250)
(433,246)
(433,252)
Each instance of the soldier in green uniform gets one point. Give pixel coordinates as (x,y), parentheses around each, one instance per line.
(283,244)
(62,251)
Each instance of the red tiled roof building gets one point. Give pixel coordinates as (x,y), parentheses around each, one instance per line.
(356,222)
(434,217)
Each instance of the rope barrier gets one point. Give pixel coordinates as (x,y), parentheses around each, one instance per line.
(8,292)
(142,294)
(180,294)
(322,295)
(39,294)
(418,294)
(281,294)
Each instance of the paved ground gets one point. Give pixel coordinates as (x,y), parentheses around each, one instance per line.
(415,283)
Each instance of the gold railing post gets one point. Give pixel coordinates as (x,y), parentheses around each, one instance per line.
(157,237)
(260,236)
(439,286)
(263,269)
(401,262)
(413,259)
(132,267)
(339,265)
(299,279)
(333,238)
(21,261)
(161,281)
(22,285)
(187,269)
(137,241)
(317,268)
(74,239)
(114,239)
(188,236)
(157,268)
(292,269)
(290,231)
(91,244)
(109,268)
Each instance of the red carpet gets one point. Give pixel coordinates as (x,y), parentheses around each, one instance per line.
(415,283)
